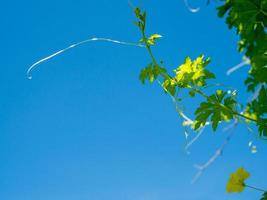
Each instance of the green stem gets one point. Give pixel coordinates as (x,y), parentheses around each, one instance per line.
(149,49)
(258,189)
(246,117)
(151,54)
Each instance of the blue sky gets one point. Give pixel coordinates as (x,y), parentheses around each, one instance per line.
(85,128)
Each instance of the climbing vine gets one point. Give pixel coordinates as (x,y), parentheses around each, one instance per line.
(249,18)
(193,75)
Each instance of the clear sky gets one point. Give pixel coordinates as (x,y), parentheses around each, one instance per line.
(85,128)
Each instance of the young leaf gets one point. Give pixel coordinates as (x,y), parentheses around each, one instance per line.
(152,39)
(193,73)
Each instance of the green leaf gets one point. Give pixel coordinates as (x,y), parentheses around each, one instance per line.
(259,105)
(146,73)
(264,196)
(257,110)
(151,73)
(217,108)
(137,12)
(262,127)
(169,85)
(141,17)
(152,39)
(251,83)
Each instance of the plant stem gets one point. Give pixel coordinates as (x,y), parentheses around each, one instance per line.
(258,189)
(149,49)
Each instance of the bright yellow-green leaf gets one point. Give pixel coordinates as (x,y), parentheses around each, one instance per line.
(247,113)
(169,86)
(152,39)
(236,181)
(193,72)
(155,36)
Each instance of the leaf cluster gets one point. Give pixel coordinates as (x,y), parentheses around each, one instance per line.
(193,75)
(249,17)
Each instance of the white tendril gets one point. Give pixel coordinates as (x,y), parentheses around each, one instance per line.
(29,76)
(245,61)
(199,133)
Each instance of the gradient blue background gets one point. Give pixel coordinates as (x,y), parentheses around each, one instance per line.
(84,128)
